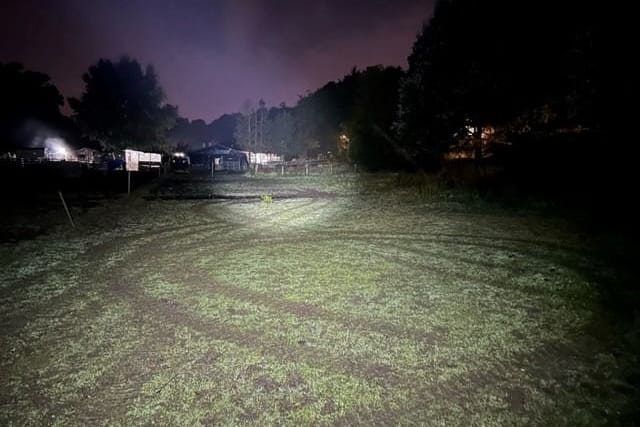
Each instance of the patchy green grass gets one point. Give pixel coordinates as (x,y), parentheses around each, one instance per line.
(353,303)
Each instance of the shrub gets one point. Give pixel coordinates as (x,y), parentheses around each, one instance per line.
(266,198)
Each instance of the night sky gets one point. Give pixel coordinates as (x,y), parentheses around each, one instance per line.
(211,56)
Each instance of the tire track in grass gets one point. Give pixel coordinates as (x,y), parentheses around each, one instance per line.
(106,250)
(250,338)
(178,315)
(58,306)
(72,272)
(279,305)
(278,213)
(168,235)
(378,369)
(200,280)
(200,283)
(108,288)
(430,251)
(509,268)
(279,349)
(166,316)
(544,251)
(451,258)
(171,316)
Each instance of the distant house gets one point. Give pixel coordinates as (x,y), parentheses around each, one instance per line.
(88,155)
(30,155)
(476,143)
(262,158)
(225,159)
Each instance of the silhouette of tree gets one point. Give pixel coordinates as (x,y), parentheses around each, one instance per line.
(527,66)
(280,132)
(321,115)
(30,106)
(123,105)
(245,132)
(194,133)
(369,129)
(221,129)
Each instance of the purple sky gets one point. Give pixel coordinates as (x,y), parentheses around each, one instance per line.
(213,55)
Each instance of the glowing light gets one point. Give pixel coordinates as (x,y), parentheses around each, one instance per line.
(56,149)
(343,144)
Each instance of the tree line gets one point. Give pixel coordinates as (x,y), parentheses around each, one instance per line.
(122,106)
(481,76)
(535,78)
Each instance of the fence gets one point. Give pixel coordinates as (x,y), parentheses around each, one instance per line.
(306,168)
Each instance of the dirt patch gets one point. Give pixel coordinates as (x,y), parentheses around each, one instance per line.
(328,408)
(431,338)
(517,398)
(175,316)
(168,302)
(208,359)
(381,374)
(211,421)
(267,384)
(295,380)
(200,279)
(549,360)
(237,311)
(302,309)
(315,194)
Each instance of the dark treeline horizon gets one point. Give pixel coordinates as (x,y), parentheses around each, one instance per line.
(534,89)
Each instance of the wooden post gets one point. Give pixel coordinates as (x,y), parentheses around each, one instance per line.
(306,168)
(128,183)
(213,167)
(256,169)
(66,209)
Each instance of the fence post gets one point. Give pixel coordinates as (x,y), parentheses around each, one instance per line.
(66,209)
(306,169)
(282,169)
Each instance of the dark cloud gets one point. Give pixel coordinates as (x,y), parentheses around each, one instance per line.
(212,55)
(310,25)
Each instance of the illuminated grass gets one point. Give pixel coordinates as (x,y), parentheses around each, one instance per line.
(352,304)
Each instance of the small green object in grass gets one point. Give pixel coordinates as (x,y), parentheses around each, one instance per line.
(266,198)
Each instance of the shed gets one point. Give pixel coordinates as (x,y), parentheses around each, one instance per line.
(225,158)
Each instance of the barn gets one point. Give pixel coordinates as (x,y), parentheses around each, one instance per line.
(225,158)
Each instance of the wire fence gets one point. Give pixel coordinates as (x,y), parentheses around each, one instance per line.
(304,167)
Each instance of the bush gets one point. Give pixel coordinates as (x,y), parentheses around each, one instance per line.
(427,185)
(266,198)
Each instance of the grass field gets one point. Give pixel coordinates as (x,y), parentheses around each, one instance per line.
(350,302)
